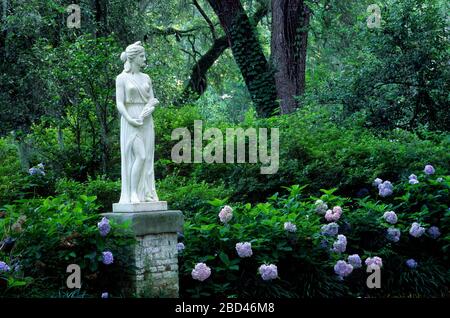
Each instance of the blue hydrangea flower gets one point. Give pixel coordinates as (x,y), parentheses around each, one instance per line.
(377,182)
(354,260)
(290,227)
(385,189)
(104,227)
(390,217)
(413,179)
(321,207)
(108,258)
(429,169)
(393,234)
(180,247)
(340,245)
(416,230)
(330,229)
(434,232)
(342,269)
(4,267)
(411,263)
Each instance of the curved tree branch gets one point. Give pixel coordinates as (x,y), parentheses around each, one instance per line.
(207,19)
(198,80)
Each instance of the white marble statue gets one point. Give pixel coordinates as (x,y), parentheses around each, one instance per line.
(136,103)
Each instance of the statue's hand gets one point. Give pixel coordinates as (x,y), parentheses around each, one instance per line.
(147,111)
(136,122)
(154,101)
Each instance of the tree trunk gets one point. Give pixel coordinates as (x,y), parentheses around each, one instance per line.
(4,32)
(198,79)
(248,54)
(290,22)
(101,17)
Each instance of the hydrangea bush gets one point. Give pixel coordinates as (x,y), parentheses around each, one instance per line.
(257,253)
(42,237)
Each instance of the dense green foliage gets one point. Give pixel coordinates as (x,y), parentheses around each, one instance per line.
(375,105)
(41,237)
(304,259)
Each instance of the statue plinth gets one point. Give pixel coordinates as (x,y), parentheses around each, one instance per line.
(153,271)
(139,207)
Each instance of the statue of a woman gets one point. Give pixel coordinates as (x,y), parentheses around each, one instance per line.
(136,103)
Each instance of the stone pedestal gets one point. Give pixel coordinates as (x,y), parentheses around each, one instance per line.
(155,253)
(140,207)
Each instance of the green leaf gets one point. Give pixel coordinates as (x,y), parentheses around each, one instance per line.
(224,258)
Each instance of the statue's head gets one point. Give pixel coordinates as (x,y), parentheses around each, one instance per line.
(134,53)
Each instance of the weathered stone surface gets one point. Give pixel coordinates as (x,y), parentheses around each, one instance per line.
(139,207)
(155,256)
(155,222)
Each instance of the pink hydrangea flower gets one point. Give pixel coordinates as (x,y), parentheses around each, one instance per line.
(333,215)
(226,214)
(201,272)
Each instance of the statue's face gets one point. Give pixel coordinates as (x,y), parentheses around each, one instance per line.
(140,59)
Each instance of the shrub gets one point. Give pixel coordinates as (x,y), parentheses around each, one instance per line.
(306,255)
(323,153)
(46,235)
(105,190)
(188,195)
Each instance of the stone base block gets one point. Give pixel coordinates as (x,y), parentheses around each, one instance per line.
(139,207)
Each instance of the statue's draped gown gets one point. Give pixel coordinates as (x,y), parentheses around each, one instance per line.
(137,93)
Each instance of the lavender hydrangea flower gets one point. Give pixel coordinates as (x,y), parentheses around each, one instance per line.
(37,170)
(354,260)
(33,171)
(434,232)
(108,258)
(429,169)
(330,229)
(340,245)
(374,262)
(104,227)
(268,272)
(321,207)
(390,217)
(244,249)
(342,269)
(201,272)
(411,263)
(180,247)
(393,234)
(377,182)
(290,227)
(413,179)
(226,214)
(385,189)
(416,230)
(4,267)
(105,295)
